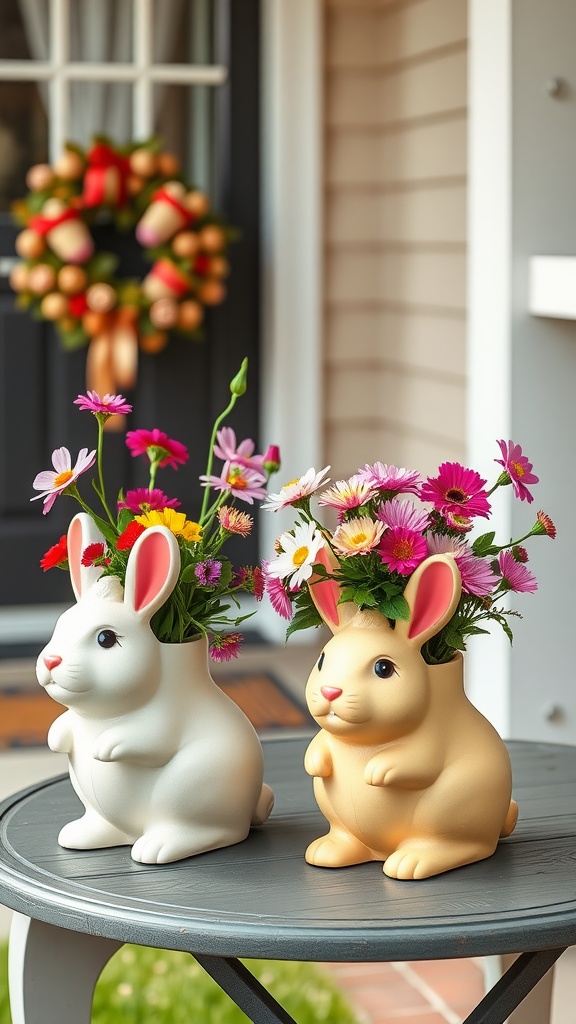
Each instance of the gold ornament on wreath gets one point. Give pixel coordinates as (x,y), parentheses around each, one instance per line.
(63,278)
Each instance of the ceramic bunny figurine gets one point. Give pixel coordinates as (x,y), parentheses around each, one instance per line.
(406,770)
(160,757)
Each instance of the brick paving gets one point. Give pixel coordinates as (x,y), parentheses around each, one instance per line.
(423,992)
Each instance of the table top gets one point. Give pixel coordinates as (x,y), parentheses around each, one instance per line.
(260,898)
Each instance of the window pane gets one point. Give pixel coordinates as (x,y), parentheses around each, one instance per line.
(23,137)
(100,108)
(183,32)
(101,31)
(184,119)
(24,30)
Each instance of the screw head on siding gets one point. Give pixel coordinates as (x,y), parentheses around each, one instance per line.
(556,87)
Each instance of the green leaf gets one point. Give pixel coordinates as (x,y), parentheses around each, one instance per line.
(482,545)
(395,607)
(304,618)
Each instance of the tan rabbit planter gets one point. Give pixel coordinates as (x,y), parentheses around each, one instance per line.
(406,770)
(161,758)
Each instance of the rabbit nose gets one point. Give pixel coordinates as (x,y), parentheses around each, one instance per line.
(51,660)
(330,692)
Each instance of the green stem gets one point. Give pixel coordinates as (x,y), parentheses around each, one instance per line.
(210,460)
(100,490)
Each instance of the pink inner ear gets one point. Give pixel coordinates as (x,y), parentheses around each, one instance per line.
(327,592)
(434,595)
(75,554)
(152,569)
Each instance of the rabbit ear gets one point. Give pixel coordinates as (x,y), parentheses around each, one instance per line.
(152,571)
(432,593)
(82,532)
(326,592)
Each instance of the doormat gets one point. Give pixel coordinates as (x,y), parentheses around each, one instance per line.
(26,715)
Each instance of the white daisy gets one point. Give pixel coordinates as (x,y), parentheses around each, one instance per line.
(294,490)
(298,554)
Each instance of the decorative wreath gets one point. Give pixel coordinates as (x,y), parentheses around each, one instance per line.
(62,277)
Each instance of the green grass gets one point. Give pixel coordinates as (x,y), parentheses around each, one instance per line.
(150,986)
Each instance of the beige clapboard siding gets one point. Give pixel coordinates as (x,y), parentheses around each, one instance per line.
(395,230)
(404,155)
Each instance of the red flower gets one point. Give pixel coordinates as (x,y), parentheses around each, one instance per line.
(94,555)
(128,538)
(56,555)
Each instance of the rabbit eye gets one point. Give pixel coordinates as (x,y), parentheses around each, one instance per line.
(107,638)
(320,662)
(384,668)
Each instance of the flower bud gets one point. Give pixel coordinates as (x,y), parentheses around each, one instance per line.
(272,459)
(239,384)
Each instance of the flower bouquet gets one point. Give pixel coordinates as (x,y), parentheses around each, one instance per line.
(381,536)
(208,585)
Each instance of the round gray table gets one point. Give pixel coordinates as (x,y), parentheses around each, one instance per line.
(74,909)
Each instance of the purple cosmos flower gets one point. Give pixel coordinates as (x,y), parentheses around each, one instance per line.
(518,468)
(110,405)
(457,490)
(240,481)
(208,573)
(392,479)
(143,500)
(229,451)
(477,575)
(51,484)
(403,514)
(158,446)
(515,575)
(402,550)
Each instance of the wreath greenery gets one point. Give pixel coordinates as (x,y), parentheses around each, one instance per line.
(63,278)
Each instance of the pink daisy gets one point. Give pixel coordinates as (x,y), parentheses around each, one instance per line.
(392,479)
(403,514)
(478,578)
(110,405)
(518,468)
(402,550)
(224,648)
(240,481)
(457,490)
(515,575)
(158,446)
(277,593)
(243,453)
(347,494)
(234,521)
(144,500)
(51,484)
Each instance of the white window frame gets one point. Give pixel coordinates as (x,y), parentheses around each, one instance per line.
(142,73)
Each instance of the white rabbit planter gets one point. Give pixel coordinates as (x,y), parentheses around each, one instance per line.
(406,770)
(160,757)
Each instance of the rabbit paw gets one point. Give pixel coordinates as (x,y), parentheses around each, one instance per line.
(110,746)
(380,772)
(317,761)
(165,843)
(432,859)
(337,850)
(59,737)
(91,832)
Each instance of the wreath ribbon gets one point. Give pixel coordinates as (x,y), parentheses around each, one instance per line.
(45,224)
(164,196)
(100,159)
(112,361)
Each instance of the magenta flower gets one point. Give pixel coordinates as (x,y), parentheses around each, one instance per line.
(515,575)
(110,405)
(158,446)
(144,500)
(277,593)
(208,573)
(478,578)
(457,490)
(51,484)
(392,479)
(240,481)
(518,469)
(403,514)
(402,550)
(243,453)
(224,648)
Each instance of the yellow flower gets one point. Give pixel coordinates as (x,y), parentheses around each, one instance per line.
(175,521)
